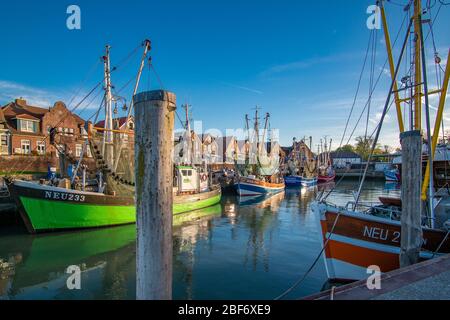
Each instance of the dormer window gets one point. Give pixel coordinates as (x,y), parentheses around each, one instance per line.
(26,125)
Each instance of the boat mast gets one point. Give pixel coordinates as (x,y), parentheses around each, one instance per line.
(247,127)
(329,153)
(257,127)
(417,66)
(108,134)
(383,115)
(428,123)
(189,134)
(387,40)
(147,48)
(265,129)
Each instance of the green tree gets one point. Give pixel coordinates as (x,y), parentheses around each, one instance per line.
(364,146)
(346,148)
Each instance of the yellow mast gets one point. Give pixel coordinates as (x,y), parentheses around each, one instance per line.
(437,125)
(387,39)
(417,67)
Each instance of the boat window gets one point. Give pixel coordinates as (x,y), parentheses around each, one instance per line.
(184,172)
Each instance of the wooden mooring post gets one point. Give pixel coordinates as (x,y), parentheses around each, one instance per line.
(154,125)
(411,230)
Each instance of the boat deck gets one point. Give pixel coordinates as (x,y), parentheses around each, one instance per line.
(429,280)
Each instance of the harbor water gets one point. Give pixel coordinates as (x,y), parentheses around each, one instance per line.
(240,249)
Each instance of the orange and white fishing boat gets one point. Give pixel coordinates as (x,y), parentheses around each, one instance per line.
(358,236)
(355,240)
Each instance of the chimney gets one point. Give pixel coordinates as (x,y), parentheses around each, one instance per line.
(21,102)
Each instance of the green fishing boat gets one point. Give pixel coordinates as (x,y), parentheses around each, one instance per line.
(48,208)
(87,198)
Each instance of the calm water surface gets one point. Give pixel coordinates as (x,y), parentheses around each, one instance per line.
(235,250)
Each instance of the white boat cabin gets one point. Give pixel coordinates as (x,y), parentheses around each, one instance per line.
(190,179)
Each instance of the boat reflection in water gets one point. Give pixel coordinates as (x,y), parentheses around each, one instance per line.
(34,267)
(263,201)
(39,264)
(392,186)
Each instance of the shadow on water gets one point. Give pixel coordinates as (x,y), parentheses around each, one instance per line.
(240,249)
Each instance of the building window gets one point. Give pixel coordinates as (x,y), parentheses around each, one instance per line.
(25,146)
(78,149)
(40,145)
(27,125)
(88,152)
(4,144)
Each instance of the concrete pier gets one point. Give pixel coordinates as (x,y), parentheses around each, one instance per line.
(429,280)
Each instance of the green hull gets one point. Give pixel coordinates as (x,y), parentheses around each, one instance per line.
(50,215)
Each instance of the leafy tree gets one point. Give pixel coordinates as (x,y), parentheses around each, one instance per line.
(364,147)
(346,148)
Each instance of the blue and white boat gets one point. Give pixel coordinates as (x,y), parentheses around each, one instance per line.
(251,186)
(309,182)
(392,175)
(293,181)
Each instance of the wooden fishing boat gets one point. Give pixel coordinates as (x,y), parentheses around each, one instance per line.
(392,175)
(46,208)
(309,182)
(361,236)
(293,181)
(261,173)
(356,240)
(326,170)
(326,178)
(295,164)
(69,202)
(251,186)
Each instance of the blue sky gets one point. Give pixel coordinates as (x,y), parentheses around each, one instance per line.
(298,60)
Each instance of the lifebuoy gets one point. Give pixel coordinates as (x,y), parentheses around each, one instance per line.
(204,177)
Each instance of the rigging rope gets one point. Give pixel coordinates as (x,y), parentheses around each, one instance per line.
(362,113)
(300,280)
(120,64)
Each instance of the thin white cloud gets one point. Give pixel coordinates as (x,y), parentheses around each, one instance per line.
(12,90)
(304,64)
(242,88)
(9,91)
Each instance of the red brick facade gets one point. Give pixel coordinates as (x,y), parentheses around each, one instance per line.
(26,129)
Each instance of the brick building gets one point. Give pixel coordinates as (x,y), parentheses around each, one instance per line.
(25,129)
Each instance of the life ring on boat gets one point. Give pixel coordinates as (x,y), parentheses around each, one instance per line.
(203,177)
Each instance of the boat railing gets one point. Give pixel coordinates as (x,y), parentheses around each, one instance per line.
(366,208)
(445,189)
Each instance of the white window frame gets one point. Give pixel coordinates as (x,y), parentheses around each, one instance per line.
(25,143)
(78,150)
(40,147)
(6,146)
(27,124)
(88,152)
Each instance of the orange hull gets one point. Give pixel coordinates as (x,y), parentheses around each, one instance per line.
(360,240)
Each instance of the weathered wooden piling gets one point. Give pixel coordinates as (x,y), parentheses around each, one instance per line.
(154,118)
(411,230)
